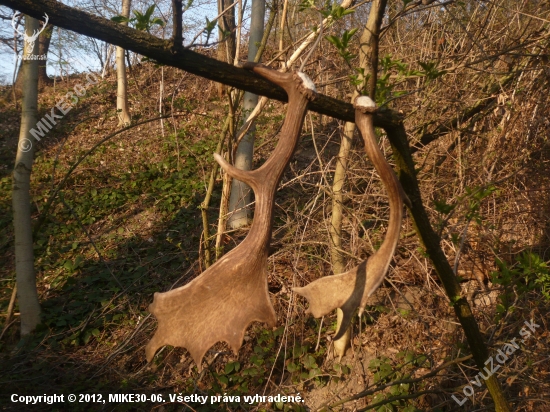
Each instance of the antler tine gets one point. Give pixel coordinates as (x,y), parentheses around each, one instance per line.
(231,294)
(300,90)
(242,175)
(292,83)
(274,76)
(350,290)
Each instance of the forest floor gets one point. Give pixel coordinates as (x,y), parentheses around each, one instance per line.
(127,224)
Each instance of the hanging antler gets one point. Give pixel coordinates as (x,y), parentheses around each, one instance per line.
(231,294)
(350,290)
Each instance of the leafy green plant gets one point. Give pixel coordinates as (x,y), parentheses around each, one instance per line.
(430,70)
(238,378)
(476,195)
(443,207)
(529,273)
(210,26)
(141,21)
(473,198)
(386,371)
(336,12)
(342,44)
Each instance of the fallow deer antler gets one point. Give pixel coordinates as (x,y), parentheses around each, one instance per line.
(231,294)
(350,290)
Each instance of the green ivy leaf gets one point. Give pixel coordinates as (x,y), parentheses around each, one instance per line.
(120,19)
(443,207)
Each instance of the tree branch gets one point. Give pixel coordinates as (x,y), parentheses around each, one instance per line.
(177,11)
(162,51)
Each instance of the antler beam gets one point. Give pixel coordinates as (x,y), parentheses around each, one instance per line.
(350,290)
(224,300)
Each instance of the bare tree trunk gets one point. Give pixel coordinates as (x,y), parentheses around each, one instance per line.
(335,229)
(368,60)
(122,83)
(44,40)
(241,194)
(282,26)
(43,47)
(227,42)
(29,306)
(177,22)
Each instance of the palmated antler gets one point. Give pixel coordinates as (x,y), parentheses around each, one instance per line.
(350,290)
(231,294)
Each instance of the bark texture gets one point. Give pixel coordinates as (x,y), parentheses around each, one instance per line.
(44,41)
(122,83)
(29,306)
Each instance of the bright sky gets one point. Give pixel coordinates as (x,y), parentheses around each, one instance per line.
(72,52)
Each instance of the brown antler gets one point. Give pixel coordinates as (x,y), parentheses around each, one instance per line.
(221,303)
(351,289)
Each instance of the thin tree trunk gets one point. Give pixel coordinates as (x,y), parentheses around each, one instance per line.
(210,189)
(226,189)
(44,40)
(335,229)
(9,312)
(368,60)
(177,12)
(227,42)
(43,47)
(29,307)
(238,31)
(240,192)
(282,27)
(122,83)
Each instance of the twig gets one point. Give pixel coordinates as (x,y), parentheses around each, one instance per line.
(10,310)
(11,305)
(319,334)
(314,44)
(402,381)
(215,18)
